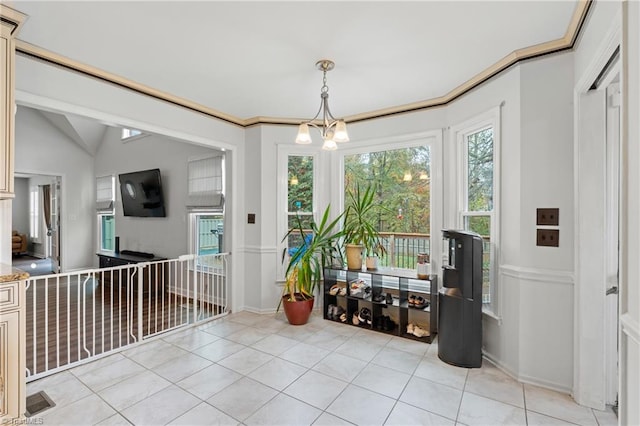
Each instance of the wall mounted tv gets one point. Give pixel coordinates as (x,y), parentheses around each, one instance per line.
(142,193)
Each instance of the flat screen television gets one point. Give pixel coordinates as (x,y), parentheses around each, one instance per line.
(142,194)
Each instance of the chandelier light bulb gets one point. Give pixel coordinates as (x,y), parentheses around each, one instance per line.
(329,145)
(303,138)
(340,134)
(294,180)
(424,176)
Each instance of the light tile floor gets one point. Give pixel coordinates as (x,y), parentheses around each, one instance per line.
(258,370)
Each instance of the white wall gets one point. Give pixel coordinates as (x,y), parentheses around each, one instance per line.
(546,300)
(20,209)
(42,149)
(630,270)
(162,236)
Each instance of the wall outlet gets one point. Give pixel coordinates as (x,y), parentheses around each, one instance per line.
(548,237)
(548,217)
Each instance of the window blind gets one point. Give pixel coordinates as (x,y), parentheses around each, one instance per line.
(205,183)
(104,194)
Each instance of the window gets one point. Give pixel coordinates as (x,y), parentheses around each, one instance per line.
(297,194)
(478,144)
(34,213)
(105,200)
(401,179)
(205,201)
(130,133)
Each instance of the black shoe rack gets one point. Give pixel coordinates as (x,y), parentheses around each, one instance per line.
(387,300)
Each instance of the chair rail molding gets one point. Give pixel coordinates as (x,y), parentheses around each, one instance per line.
(538,274)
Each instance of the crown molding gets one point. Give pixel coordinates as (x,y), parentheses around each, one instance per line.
(567,42)
(12,19)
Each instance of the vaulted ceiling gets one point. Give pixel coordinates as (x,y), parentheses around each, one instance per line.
(257,59)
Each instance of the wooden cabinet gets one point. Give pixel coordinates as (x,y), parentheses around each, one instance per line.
(392,301)
(9,23)
(12,344)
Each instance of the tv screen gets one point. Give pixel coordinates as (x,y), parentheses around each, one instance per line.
(142,194)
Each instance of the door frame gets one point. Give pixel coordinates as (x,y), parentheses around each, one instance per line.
(62,235)
(589,382)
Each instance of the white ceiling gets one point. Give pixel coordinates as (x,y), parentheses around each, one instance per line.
(252,59)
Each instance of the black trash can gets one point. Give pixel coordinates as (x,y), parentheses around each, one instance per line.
(460,301)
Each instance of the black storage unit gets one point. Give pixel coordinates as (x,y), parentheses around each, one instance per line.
(460,300)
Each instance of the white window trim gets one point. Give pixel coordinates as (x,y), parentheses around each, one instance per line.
(35,216)
(433,139)
(101,213)
(282,226)
(491,118)
(192,215)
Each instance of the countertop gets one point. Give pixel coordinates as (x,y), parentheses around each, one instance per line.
(9,273)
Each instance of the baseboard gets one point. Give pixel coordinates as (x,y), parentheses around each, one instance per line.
(520,378)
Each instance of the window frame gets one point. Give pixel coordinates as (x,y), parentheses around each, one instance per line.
(433,139)
(282,197)
(35,216)
(103,213)
(459,134)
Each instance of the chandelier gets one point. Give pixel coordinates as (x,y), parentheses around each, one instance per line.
(331,129)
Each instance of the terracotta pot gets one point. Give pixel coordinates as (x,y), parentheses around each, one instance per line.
(297,312)
(354,256)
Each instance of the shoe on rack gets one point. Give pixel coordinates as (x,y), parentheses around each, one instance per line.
(410,328)
(412,301)
(365,316)
(330,311)
(421,303)
(343,317)
(389,299)
(343,291)
(389,324)
(378,297)
(355,319)
(338,312)
(334,289)
(419,332)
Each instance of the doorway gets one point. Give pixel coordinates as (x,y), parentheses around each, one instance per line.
(597,173)
(36,214)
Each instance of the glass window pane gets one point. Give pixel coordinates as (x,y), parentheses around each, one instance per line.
(401,179)
(480,171)
(295,240)
(210,234)
(482,226)
(107,232)
(300,184)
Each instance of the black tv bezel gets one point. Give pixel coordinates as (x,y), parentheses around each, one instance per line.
(136,208)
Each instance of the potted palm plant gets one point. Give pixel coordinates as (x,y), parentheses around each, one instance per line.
(359,230)
(304,269)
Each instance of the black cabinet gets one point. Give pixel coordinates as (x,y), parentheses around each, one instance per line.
(392,301)
(154,275)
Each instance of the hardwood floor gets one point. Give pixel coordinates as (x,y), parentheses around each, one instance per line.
(70,318)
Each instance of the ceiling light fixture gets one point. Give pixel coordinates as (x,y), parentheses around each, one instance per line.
(407,177)
(331,129)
